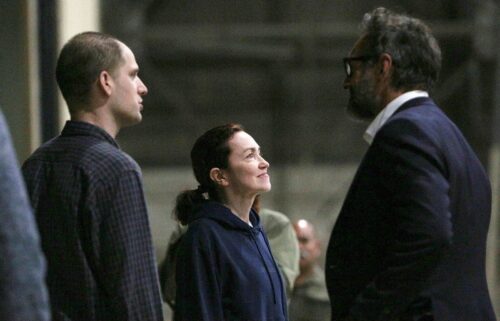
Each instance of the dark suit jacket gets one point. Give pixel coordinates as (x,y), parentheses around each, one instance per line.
(409,243)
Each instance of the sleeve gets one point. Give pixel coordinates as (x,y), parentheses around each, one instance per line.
(198,295)
(414,180)
(167,266)
(124,250)
(23,295)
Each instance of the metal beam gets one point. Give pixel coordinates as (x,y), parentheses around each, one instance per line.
(459,28)
(284,42)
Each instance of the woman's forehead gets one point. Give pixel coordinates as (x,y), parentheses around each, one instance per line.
(242,141)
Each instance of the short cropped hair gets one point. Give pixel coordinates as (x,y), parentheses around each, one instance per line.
(415,52)
(81,61)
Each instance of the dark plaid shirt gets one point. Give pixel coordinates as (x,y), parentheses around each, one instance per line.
(90,208)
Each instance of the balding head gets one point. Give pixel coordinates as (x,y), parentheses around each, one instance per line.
(309,245)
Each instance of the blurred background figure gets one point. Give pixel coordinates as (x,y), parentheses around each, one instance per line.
(284,245)
(23,295)
(309,300)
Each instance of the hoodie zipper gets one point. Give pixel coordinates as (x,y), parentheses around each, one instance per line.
(253,232)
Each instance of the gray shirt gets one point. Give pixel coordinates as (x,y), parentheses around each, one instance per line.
(309,301)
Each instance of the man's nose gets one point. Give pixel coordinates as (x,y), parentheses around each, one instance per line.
(143,90)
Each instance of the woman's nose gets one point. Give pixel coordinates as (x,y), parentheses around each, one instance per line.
(263,162)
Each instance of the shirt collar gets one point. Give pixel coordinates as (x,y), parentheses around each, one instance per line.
(388,111)
(80,128)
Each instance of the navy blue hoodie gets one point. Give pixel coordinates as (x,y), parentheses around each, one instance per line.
(225,270)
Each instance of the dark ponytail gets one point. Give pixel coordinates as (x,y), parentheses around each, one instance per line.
(187,202)
(211,150)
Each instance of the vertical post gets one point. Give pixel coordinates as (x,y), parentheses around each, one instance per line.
(33,116)
(47,35)
(19,92)
(74,17)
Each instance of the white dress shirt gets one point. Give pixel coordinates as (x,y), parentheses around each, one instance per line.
(388,111)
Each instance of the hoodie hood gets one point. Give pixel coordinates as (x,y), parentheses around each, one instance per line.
(223,215)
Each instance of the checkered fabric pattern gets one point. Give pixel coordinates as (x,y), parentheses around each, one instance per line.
(91,212)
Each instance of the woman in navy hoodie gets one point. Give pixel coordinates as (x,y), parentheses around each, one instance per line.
(225,270)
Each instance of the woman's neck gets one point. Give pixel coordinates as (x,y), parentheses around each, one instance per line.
(240,206)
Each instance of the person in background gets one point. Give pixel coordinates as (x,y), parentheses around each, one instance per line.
(87,194)
(410,239)
(23,294)
(224,261)
(284,245)
(309,300)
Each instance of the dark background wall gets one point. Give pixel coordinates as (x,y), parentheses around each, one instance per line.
(275,67)
(14,72)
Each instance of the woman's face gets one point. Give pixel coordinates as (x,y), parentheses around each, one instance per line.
(247,171)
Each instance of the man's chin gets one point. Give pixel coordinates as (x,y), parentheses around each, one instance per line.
(356,114)
(131,121)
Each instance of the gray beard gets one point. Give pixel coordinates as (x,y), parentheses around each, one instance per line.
(363,102)
(357,113)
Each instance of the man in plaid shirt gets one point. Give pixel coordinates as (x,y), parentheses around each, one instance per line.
(87,194)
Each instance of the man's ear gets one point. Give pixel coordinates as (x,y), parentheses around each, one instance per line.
(385,64)
(218,176)
(105,82)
